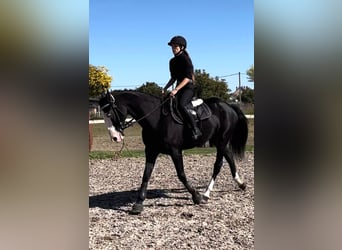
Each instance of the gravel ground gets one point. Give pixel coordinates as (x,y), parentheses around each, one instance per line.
(170,220)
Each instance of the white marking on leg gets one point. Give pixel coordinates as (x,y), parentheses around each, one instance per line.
(237,179)
(210,188)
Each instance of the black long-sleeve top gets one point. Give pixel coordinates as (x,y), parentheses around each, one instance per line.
(181,67)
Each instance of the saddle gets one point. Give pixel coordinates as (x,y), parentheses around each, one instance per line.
(200,110)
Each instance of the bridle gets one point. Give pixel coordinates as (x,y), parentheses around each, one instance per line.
(115,110)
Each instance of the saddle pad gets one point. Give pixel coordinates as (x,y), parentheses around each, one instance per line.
(203,112)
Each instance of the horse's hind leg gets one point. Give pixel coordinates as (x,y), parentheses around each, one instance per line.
(217,168)
(149,166)
(228,155)
(177,159)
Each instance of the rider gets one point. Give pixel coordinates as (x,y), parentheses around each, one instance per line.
(182,71)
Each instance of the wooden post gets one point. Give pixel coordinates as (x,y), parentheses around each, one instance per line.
(90,134)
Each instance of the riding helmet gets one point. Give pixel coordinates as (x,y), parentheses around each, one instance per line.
(178,40)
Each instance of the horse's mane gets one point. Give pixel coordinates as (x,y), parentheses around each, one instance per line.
(137,94)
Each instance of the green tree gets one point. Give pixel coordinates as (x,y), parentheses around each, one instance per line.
(247,95)
(208,86)
(99,80)
(150,88)
(250,74)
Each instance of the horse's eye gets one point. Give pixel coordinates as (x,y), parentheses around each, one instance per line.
(108,114)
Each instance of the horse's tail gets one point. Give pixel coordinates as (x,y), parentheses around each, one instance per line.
(240,133)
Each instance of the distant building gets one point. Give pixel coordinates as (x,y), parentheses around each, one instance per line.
(94,109)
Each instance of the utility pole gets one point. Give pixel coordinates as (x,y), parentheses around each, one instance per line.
(240,87)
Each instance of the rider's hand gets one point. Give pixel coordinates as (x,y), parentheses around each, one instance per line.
(174,92)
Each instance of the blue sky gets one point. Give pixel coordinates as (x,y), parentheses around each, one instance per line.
(130,38)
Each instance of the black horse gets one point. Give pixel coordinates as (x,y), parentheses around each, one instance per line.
(227,129)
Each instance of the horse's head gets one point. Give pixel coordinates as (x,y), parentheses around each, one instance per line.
(114,117)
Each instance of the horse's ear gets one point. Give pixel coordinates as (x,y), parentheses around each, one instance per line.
(110,97)
(106,94)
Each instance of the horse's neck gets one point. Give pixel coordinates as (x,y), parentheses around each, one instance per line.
(146,112)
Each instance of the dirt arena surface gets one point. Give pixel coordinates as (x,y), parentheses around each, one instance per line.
(170,220)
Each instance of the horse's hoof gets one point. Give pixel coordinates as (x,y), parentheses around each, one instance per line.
(243,186)
(197,198)
(205,199)
(137,209)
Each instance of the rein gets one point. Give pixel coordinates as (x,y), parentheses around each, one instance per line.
(117,154)
(131,122)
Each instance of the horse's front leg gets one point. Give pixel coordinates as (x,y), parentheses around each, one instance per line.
(177,159)
(151,157)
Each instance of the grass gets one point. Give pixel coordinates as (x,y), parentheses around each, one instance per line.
(112,154)
(104,149)
(247,109)
(141,153)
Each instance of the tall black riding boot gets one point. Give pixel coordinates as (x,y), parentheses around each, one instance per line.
(196,132)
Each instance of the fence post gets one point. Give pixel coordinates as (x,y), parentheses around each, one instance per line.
(90,133)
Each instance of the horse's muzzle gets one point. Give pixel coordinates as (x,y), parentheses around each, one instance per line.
(115,135)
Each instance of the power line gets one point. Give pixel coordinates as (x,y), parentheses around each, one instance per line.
(232,75)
